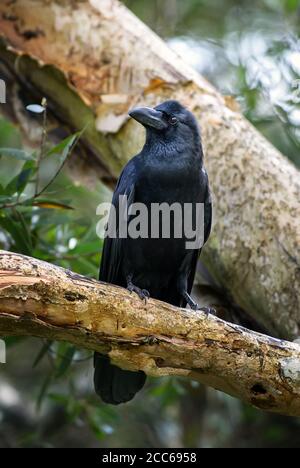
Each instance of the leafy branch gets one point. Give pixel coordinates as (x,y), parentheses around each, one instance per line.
(10,196)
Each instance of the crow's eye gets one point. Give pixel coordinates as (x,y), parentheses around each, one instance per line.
(173,120)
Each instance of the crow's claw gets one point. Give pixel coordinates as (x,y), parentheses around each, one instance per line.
(146,293)
(208,311)
(142,293)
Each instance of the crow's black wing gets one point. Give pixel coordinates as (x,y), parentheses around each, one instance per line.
(112,253)
(113,384)
(207,210)
(207,230)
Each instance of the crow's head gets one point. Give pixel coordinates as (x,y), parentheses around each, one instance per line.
(168,121)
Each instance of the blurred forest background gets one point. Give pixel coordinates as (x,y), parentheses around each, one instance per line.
(249,50)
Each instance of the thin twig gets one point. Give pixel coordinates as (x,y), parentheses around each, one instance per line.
(43,145)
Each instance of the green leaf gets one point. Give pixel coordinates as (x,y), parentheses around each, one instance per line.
(93,247)
(43,390)
(5,197)
(43,351)
(24,176)
(95,424)
(17,234)
(11,188)
(85,266)
(20,155)
(63,149)
(18,183)
(64,145)
(52,205)
(4,200)
(9,135)
(11,341)
(65,358)
(291,5)
(58,398)
(26,232)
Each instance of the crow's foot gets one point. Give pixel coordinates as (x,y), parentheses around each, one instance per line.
(194,306)
(142,293)
(208,310)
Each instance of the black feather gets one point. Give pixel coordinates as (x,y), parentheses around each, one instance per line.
(115,385)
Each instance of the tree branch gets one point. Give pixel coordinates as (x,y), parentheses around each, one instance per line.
(39,299)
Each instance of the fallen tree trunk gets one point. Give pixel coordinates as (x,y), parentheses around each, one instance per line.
(94,60)
(39,299)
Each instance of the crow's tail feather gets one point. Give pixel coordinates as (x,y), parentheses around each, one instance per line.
(115,385)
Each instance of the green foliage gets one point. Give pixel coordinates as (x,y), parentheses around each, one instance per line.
(17,154)
(37,219)
(43,223)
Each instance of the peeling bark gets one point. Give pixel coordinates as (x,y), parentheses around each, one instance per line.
(94,60)
(39,299)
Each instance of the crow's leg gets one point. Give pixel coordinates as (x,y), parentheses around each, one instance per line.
(142,293)
(190,301)
(182,287)
(194,306)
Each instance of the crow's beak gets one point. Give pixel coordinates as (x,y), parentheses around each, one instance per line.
(148,117)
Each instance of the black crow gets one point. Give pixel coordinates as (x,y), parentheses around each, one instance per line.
(168,170)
